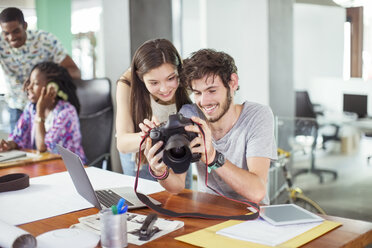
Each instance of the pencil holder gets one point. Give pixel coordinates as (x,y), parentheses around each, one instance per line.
(113,229)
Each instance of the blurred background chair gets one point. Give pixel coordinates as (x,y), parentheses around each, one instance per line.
(305,109)
(96,120)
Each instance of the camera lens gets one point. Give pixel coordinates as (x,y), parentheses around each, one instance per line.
(177,153)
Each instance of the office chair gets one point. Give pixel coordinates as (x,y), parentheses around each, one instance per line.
(96,120)
(304,108)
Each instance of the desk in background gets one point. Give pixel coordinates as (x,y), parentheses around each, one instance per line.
(352,132)
(352,233)
(364,125)
(39,157)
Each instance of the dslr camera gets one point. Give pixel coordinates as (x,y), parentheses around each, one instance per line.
(176,142)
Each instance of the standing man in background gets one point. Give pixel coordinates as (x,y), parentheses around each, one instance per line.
(20,51)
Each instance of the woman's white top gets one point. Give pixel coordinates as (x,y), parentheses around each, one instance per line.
(162,111)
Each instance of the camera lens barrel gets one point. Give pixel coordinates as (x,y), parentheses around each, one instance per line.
(177,153)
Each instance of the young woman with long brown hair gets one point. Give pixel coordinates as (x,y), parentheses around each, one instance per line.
(150,88)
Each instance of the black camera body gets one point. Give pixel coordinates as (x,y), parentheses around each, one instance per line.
(176,142)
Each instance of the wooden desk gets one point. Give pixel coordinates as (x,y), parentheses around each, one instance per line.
(353,233)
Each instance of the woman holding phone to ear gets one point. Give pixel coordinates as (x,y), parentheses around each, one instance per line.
(51,116)
(150,90)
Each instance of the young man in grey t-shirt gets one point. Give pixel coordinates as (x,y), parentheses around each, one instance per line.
(239,138)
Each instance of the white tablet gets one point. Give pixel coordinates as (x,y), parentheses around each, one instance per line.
(286,214)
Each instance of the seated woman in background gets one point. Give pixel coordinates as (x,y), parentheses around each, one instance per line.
(150,89)
(51,116)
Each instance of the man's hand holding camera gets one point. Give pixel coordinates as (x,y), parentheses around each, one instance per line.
(174,145)
(171,147)
(197,144)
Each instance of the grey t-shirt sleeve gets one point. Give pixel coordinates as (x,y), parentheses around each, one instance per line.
(260,139)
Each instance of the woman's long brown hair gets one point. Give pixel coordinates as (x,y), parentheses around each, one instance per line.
(151,55)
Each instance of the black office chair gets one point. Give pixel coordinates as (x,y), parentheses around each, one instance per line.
(304,108)
(96,120)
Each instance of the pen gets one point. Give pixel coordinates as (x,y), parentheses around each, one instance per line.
(120,204)
(124,210)
(121,208)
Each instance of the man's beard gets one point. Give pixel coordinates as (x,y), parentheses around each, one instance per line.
(225,107)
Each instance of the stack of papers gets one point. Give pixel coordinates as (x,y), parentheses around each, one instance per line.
(134,223)
(11,155)
(208,237)
(278,224)
(261,232)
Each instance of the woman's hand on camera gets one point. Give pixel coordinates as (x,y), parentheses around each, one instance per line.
(154,158)
(197,144)
(147,125)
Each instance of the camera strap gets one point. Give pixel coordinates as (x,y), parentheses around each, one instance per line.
(14,181)
(144,199)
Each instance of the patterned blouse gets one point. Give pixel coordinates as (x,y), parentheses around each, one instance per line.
(63,129)
(17,63)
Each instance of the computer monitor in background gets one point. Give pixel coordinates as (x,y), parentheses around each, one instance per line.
(356,104)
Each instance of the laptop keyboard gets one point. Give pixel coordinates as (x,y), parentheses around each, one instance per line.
(108,198)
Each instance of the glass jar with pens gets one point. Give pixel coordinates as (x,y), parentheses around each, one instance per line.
(114,226)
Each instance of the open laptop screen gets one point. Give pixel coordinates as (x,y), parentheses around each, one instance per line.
(356,104)
(84,187)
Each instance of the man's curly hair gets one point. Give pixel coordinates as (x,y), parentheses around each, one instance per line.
(208,62)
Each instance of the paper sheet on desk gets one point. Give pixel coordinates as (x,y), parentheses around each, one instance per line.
(29,155)
(262,232)
(208,238)
(55,194)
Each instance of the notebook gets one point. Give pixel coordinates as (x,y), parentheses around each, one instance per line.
(101,199)
(7,155)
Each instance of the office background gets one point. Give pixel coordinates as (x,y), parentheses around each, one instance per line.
(280,46)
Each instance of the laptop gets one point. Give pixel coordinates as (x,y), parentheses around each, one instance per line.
(101,199)
(7,155)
